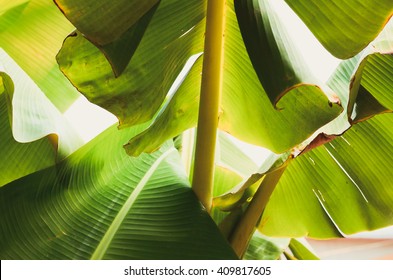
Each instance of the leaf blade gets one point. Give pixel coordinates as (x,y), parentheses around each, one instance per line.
(24,36)
(77,201)
(345,189)
(103,28)
(339,23)
(104,243)
(136,95)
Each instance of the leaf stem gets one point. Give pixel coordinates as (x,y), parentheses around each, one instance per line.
(211,87)
(246,227)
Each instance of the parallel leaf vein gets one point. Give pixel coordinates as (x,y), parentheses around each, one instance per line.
(118,220)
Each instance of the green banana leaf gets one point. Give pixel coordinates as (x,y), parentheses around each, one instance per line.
(136,95)
(178,114)
(342,187)
(34,134)
(344,27)
(33,115)
(17,159)
(346,182)
(243,99)
(104,27)
(371,92)
(335,190)
(120,52)
(101,204)
(247,112)
(276,60)
(338,189)
(31,32)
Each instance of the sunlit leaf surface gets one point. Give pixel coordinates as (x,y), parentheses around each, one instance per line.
(344,27)
(33,115)
(17,159)
(136,95)
(341,188)
(276,60)
(100,203)
(264,248)
(246,110)
(32,32)
(300,251)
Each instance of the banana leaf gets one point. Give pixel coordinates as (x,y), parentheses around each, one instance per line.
(100,203)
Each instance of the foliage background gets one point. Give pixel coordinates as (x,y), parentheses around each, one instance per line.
(63,199)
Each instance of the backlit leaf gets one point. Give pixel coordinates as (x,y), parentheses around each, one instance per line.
(344,27)
(100,203)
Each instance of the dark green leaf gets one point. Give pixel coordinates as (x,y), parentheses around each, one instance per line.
(136,95)
(276,61)
(104,21)
(246,111)
(120,51)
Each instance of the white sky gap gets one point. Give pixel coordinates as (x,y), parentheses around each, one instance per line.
(117,221)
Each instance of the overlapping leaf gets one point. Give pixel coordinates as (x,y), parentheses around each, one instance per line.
(17,159)
(103,22)
(246,111)
(34,135)
(346,185)
(371,88)
(101,204)
(31,32)
(244,191)
(344,27)
(120,51)
(276,60)
(363,83)
(178,114)
(117,32)
(136,95)
(347,182)
(337,189)
(33,115)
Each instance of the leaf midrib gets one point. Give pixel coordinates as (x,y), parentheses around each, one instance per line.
(118,220)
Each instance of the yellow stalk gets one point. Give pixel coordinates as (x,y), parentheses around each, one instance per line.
(243,232)
(210,96)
